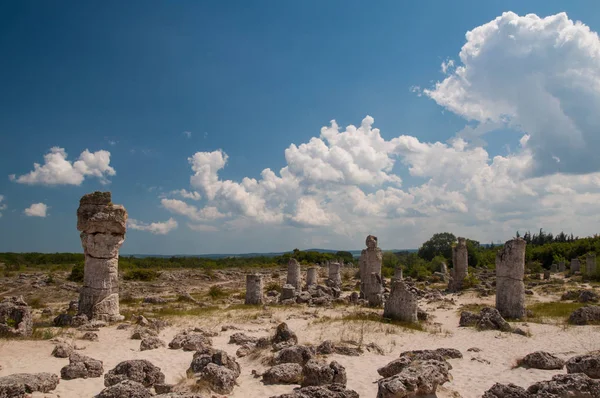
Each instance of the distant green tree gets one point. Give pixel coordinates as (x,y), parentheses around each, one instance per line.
(440,244)
(347,257)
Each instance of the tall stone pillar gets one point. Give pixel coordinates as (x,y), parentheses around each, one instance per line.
(293,275)
(460,265)
(510,270)
(370,262)
(374,290)
(311,276)
(334,278)
(402,303)
(590,264)
(561,266)
(554,268)
(103,227)
(254,289)
(575,266)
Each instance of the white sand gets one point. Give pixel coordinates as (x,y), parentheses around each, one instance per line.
(470,377)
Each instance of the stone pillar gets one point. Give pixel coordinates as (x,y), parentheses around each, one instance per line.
(374,290)
(444,268)
(369,262)
(254,289)
(293,275)
(334,280)
(402,303)
(460,265)
(398,273)
(510,270)
(103,227)
(590,264)
(546,274)
(311,276)
(554,268)
(561,266)
(288,292)
(575,266)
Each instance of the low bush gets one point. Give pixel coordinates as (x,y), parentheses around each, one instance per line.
(140,275)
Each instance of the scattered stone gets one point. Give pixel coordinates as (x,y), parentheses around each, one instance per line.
(317,373)
(62,320)
(394,367)
(284,337)
(139,370)
(15,317)
(90,336)
(142,332)
(488,319)
(62,350)
(325,348)
(474,349)
(202,358)
(510,271)
(102,227)
(299,354)
(329,391)
(242,338)
(506,391)
(541,360)
(419,379)
(16,385)
(125,389)
(155,300)
(588,296)
(151,343)
(588,364)
(585,315)
(439,354)
(285,373)
(373,347)
(190,340)
(218,378)
(163,388)
(566,385)
(81,367)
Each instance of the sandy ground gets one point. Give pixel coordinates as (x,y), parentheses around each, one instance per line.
(472,375)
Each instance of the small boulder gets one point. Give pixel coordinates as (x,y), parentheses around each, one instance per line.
(328,391)
(241,339)
(588,364)
(285,373)
(139,370)
(15,317)
(20,383)
(62,350)
(316,373)
(81,367)
(299,354)
(566,385)
(125,389)
(151,343)
(585,315)
(419,379)
(506,391)
(90,336)
(541,360)
(284,337)
(218,378)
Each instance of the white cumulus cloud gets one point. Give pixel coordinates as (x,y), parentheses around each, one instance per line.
(57,170)
(157,228)
(36,210)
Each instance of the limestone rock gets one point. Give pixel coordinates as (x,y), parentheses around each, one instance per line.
(285,373)
(328,391)
(510,271)
(401,304)
(90,336)
(299,354)
(317,373)
(588,364)
(506,391)
(394,367)
(541,360)
(439,354)
(81,367)
(566,385)
(15,317)
(151,343)
(585,315)
(370,263)
(460,264)
(284,337)
(19,383)
(202,358)
(293,276)
(220,379)
(419,379)
(190,340)
(62,350)
(325,348)
(241,339)
(125,389)
(139,370)
(254,289)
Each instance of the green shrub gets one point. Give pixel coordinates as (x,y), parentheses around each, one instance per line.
(140,275)
(76,274)
(273,286)
(216,292)
(470,281)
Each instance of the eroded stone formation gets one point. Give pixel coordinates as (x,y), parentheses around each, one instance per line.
(575,266)
(374,290)
(590,264)
(561,266)
(398,273)
(103,226)
(311,276)
(293,274)
(554,268)
(402,303)
(510,270)
(370,263)
(460,265)
(334,279)
(254,289)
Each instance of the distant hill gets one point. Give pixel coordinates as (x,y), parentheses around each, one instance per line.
(355,253)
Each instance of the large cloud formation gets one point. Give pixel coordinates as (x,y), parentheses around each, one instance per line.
(57,170)
(537,77)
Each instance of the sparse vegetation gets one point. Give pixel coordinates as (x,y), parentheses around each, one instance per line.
(140,275)
(557,311)
(217,292)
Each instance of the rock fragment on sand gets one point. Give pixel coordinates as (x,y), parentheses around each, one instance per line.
(81,367)
(316,373)
(15,317)
(541,360)
(16,385)
(126,388)
(151,343)
(585,315)
(285,373)
(329,391)
(588,364)
(138,370)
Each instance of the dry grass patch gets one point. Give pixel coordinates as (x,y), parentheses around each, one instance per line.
(553,312)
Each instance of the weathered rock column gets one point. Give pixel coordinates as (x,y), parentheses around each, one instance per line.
(402,303)
(103,227)
(311,276)
(575,266)
(374,290)
(546,274)
(590,264)
(554,268)
(510,270)
(561,266)
(370,262)
(460,265)
(254,289)
(398,273)
(334,278)
(293,274)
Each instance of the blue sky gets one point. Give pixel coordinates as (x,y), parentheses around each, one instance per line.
(253,78)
